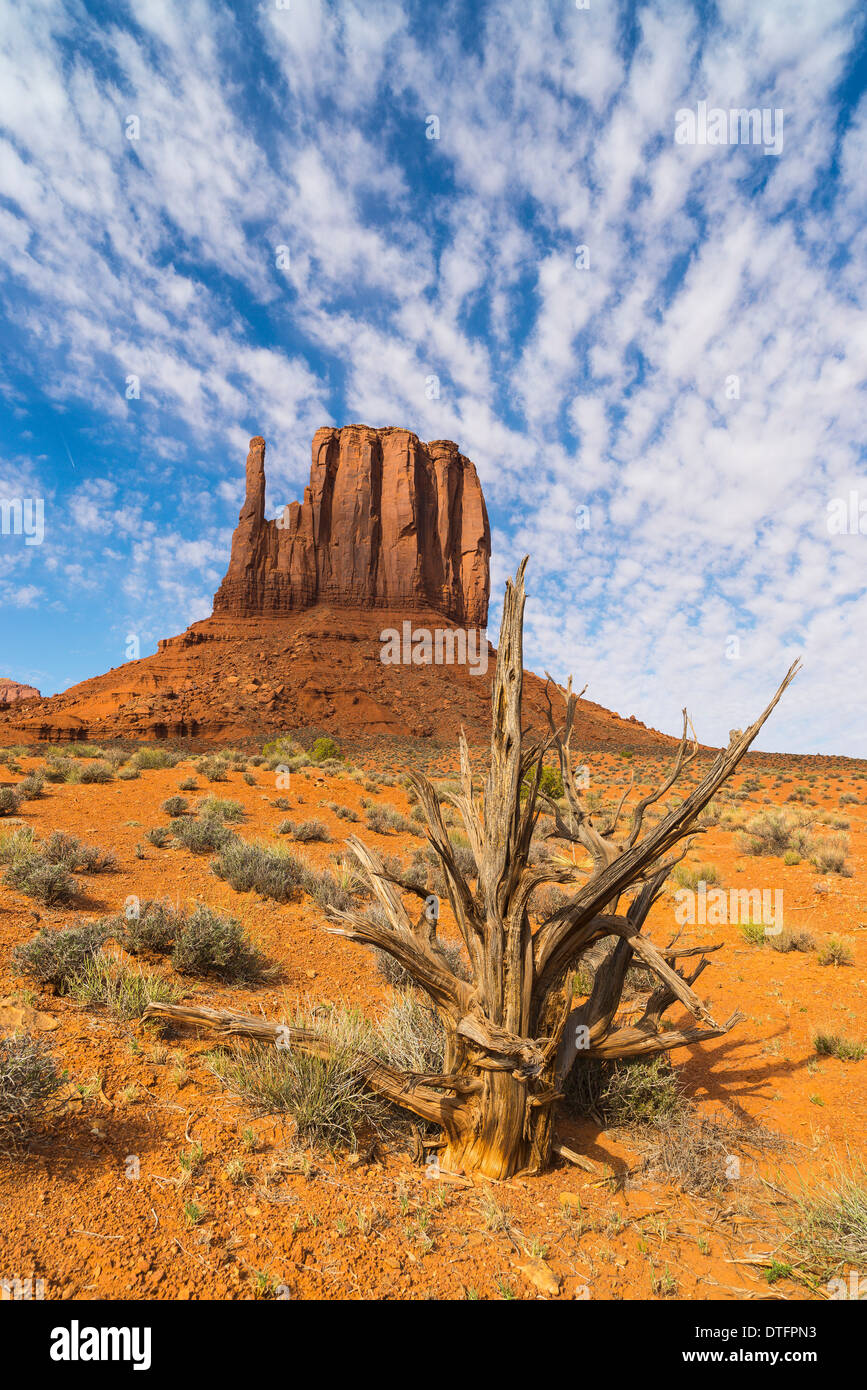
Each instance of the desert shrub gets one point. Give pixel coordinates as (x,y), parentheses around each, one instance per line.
(829,855)
(753,933)
(465,860)
(153,759)
(99,771)
(325,889)
(15,843)
(128,774)
(626,1093)
(176,806)
(773,831)
(286,827)
(546,900)
(345,813)
(693,1151)
(550,783)
(154,929)
(410,1035)
(690,876)
(271,873)
(384,820)
(32,786)
(838,1045)
(250,779)
(791,857)
(55,957)
(214,769)
(9,801)
(84,750)
(829,1223)
(396,975)
(323,749)
(159,835)
(201,835)
(327,1098)
(48,884)
(29,1081)
(13,753)
(792,941)
(57,769)
(75,856)
(837,950)
(310,830)
(189,784)
(221,808)
(348,876)
(125,991)
(282,746)
(211,944)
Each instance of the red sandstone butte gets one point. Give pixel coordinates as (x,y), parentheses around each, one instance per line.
(390,529)
(386,522)
(11,692)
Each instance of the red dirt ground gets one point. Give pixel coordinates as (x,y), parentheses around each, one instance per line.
(377,1225)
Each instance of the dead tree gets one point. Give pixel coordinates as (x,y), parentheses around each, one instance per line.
(511,1032)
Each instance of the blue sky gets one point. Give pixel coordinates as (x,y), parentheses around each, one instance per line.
(698,382)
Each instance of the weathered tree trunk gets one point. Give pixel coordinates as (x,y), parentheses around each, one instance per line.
(511,1032)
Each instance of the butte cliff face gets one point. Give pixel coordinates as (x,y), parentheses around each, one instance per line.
(11,692)
(390,530)
(386,522)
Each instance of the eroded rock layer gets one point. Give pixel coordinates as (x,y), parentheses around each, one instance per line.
(386,522)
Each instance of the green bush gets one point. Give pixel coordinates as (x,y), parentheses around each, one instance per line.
(58,769)
(551,782)
(625,1092)
(176,806)
(324,748)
